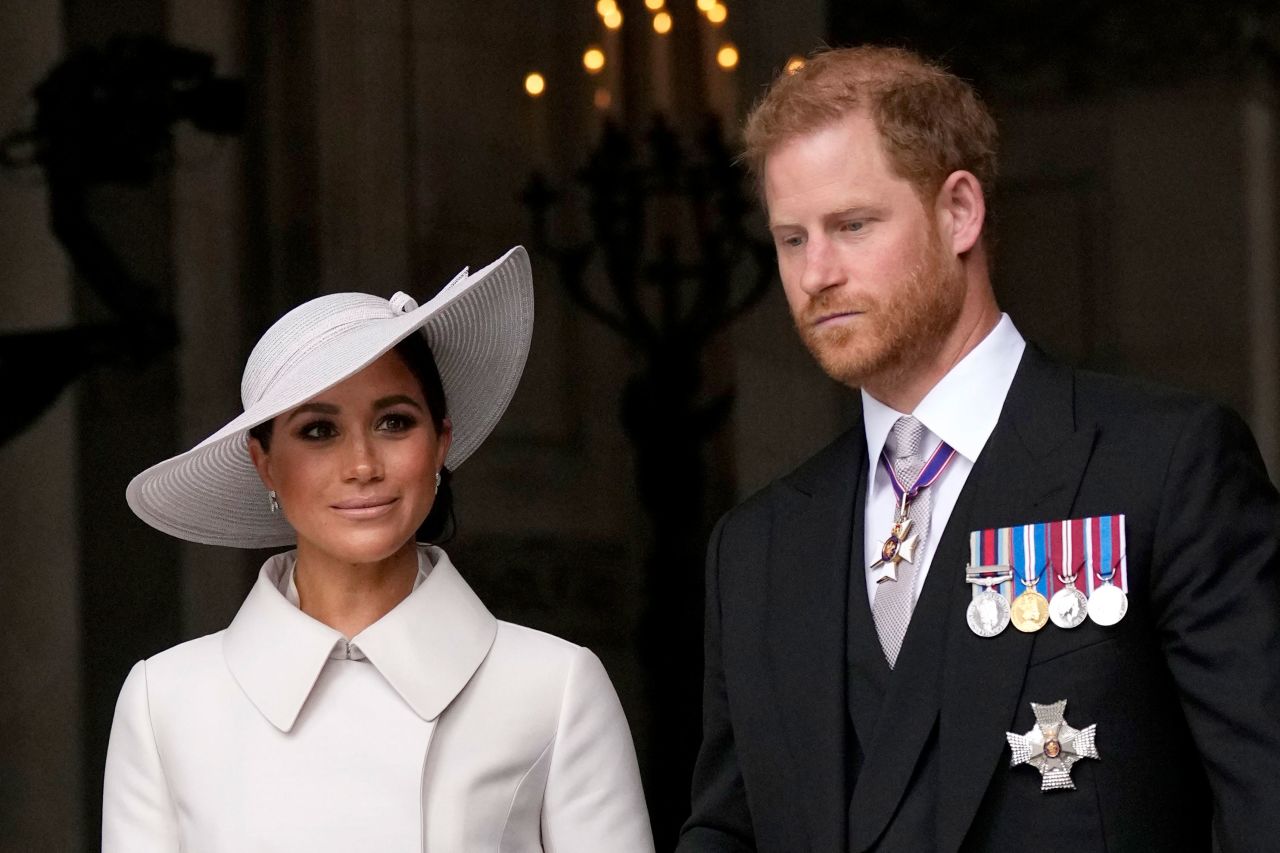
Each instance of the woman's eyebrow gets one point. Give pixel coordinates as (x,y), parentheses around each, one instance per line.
(316,408)
(394,399)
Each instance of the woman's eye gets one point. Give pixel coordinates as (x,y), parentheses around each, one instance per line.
(397,423)
(317,431)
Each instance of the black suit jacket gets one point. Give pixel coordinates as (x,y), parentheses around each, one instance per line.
(811,743)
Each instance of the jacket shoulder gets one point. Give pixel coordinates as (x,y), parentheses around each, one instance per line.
(180,674)
(185,660)
(839,458)
(1151,419)
(533,648)
(1115,397)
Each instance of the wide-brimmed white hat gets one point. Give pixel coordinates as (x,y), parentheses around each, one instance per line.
(479,327)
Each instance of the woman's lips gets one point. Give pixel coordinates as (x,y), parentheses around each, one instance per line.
(362,509)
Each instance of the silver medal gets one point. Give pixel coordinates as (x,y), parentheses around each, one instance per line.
(1108,604)
(988,613)
(1068,607)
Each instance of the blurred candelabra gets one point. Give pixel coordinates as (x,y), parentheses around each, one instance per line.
(670,251)
(104,116)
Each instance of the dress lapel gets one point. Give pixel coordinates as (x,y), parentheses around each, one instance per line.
(1028,471)
(816,514)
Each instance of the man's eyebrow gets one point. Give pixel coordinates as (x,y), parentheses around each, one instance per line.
(315,408)
(858,209)
(852,210)
(395,399)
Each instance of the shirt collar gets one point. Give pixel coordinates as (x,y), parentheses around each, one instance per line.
(427,647)
(962,409)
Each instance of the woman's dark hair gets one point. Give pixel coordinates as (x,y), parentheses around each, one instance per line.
(440,524)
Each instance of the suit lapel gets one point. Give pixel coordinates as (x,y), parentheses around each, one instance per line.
(808,565)
(1028,471)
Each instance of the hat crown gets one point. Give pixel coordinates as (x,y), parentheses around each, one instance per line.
(303,331)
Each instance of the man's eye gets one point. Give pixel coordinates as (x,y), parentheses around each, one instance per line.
(317,431)
(855,225)
(791,241)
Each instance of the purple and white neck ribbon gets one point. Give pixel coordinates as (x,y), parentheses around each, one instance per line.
(932,470)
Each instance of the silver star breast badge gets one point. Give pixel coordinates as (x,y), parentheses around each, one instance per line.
(1052,746)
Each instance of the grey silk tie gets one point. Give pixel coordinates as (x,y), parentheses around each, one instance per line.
(894,599)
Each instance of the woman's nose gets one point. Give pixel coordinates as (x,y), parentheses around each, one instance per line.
(363,462)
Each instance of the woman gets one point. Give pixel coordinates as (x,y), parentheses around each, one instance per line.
(363,698)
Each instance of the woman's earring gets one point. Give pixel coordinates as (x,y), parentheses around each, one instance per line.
(273,501)
(437,481)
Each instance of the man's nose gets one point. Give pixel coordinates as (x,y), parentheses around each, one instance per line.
(821,267)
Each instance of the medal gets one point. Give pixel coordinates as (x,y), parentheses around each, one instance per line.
(1030,610)
(1068,606)
(1108,604)
(1052,746)
(988,612)
(901,544)
(1107,601)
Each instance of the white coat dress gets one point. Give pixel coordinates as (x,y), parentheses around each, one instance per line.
(438,728)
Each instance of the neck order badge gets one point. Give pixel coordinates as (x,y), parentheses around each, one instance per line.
(901,544)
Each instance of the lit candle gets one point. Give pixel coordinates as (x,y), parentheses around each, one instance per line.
(535,86)
(660,63)
(608,89)
(719,61)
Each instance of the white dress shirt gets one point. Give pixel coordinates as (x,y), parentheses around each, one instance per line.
(962,410)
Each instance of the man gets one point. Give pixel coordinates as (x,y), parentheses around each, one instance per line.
(851,701)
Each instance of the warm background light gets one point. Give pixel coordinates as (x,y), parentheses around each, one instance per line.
(602,99)
(794,64)
(662,23)
(717,13)
(613,20)
(593,59)
(704,6)
(654,5)
(535,84)
(727,56)
(606,7)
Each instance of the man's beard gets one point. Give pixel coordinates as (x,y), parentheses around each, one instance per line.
(895,333)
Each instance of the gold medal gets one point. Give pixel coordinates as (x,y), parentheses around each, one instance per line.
(1030,611)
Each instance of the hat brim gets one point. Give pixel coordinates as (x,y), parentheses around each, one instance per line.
(479,330)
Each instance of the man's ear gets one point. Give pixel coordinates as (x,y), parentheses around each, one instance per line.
(261,461)
(961,211)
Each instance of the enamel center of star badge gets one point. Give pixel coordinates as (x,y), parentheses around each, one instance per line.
(1052,746)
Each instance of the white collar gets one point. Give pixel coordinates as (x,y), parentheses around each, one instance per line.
(962,409)
(427,647)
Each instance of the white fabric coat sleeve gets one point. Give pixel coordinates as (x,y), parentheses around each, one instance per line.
(593,798)
(138,815)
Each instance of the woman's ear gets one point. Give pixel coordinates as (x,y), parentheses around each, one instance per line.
(961,210)
(261,461)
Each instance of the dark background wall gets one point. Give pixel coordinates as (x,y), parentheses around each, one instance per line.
(384,145)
